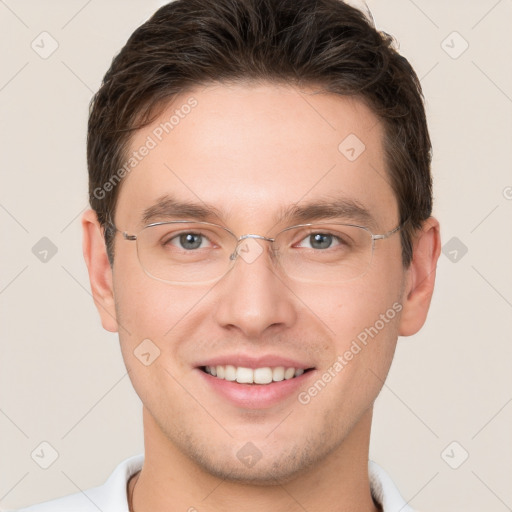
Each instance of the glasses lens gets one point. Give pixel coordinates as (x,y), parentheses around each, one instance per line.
(327,253)
(184,252)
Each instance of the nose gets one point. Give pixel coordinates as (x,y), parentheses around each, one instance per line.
(254,296)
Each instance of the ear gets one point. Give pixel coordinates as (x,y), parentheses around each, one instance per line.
(100,272)
(420,278)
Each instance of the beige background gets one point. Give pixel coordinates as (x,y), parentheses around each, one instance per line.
(62,379)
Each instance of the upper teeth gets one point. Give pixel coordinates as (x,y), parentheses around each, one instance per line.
(257,375)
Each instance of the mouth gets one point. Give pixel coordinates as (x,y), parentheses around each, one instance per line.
(254,382)
(254,376)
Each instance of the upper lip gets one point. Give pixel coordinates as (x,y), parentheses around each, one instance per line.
(247,361)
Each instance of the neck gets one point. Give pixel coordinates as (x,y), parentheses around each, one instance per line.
(169,480)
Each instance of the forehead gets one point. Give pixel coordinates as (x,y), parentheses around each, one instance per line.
(251,151)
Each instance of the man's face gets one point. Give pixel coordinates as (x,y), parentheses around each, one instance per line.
(252,152)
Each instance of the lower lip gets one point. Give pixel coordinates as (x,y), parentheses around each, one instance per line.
(255,396)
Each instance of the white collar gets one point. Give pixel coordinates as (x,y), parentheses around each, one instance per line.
(385,491)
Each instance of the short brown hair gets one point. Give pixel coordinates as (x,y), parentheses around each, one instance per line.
(192,42)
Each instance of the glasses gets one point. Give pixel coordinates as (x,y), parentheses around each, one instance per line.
(192,252)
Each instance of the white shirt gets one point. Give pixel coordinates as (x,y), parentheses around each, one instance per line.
(112,497)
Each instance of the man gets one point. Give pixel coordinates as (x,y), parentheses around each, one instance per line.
(260,235)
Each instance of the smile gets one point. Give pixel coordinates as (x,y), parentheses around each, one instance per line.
(243,375)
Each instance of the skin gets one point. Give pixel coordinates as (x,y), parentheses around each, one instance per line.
(251,150)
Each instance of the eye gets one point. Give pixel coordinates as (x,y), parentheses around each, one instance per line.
(320,241)
(188,241)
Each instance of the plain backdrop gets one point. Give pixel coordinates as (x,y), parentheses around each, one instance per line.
(443,420)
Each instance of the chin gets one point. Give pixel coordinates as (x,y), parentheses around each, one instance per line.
(260,463)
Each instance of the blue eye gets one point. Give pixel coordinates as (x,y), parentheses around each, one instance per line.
(320,241)
(191,240)
(188,241)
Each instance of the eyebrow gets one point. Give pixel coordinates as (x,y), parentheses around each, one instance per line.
(167,207)
(336,208)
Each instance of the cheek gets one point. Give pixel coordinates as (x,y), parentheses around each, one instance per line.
(155,318)
(362,319)
(151,310)
(350,308)
(146,307)
(363,324)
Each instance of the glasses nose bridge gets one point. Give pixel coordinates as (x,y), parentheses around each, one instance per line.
(259,237)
